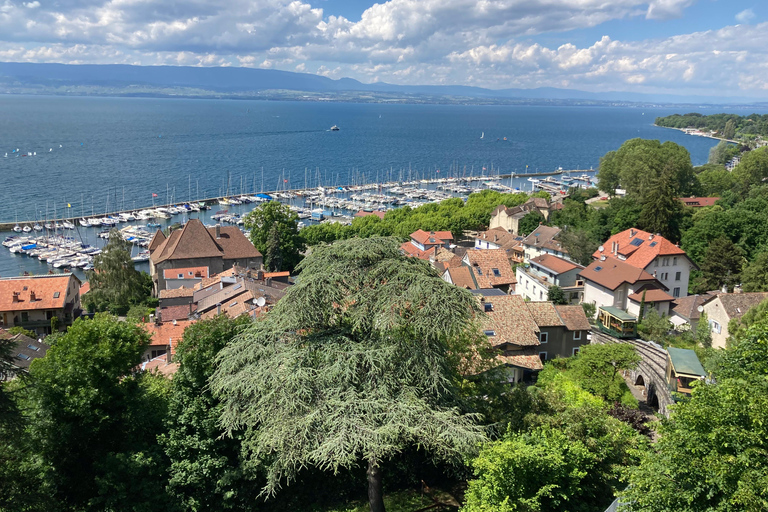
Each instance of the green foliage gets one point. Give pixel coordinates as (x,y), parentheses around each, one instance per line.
(278,217)
(753,124)
(721,266)
(596,369)
(590,309)
(711,453)
(529,223)
(349,367)
(752,169)
(139,313)
(722,153)
(715,180)
(205,472)
(654,327)
(115,284)
(567,453)
(703,332)
(273,256)
(94,421)
(580,245)
(639,164)
(730,130)
(556,295)
(754,277)
(662,212)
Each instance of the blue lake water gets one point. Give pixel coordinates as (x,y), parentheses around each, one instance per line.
(107,153)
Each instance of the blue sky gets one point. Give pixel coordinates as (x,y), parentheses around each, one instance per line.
(695,47)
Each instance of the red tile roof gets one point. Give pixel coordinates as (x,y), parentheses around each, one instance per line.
(170,313)
(611,273)
(363,213)
(194,240)
(285,273)
(698,202)
(167,333)
(48,292)
(433,237)
(483,263)
(639,247)
(462,277)
(545,237)
(157,239)
(160,365)
(85,288)
(176,292)
(573,317)
(527,358)
(652,295)
(186,273)
(555,264)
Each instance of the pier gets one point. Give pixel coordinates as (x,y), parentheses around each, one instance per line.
(317,191)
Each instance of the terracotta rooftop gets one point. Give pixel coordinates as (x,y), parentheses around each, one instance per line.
(555,264)
(414,252)
(363,213)
(544,314)
(234,307)
(526,358)
(194,240)
(462,277)
(85,288)
(490,267)
(160,365)
(167,333)
(573,317)
(432,237)
(508,321)
(499,236)
(639,248)
(32,293)
(651,295)
(222,296)
(157,239)
(169,313)
(176,293)
(186,273)
(611,273)
(698,202)
(285,273)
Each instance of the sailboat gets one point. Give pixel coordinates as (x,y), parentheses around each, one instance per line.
(482,135)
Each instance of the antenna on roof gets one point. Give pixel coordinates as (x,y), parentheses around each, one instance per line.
(601,248)
(261,301)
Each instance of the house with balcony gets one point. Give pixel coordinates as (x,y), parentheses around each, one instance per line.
(535,278)
(32,302)
(652,253)
(618,289)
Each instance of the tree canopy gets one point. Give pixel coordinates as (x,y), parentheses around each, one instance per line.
(275,233)
(350,367)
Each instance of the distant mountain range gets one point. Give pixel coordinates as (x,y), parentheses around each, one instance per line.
(118,79)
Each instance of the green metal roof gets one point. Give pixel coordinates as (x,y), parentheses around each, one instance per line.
(619,313)
(685,362)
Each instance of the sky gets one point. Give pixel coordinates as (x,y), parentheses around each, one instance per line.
(693,47)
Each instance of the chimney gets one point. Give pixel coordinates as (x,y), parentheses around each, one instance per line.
(151,318)
(602,257)
(268,281)
(174,321)
(218,308)
(737,289)
(218,231)
(259,275)
(32,297)
(495,238)
(15,296)
(724,289)
(631,232)
(650,237)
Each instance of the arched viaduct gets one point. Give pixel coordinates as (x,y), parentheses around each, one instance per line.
(650,372)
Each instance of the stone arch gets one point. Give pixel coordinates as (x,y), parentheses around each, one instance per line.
(640,381)
(653,402)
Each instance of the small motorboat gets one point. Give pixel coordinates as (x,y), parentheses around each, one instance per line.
(334,128)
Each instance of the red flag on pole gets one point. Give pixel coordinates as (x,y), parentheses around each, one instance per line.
(285,181)
(154,195)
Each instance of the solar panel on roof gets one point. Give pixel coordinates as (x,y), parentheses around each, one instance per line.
(637,242)
(653,244)
(598,269)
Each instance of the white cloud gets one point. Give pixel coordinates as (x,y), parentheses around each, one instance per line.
(745,16)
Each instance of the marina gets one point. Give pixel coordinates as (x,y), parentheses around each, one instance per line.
(70,244)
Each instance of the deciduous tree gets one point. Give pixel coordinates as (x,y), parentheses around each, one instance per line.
(274,215)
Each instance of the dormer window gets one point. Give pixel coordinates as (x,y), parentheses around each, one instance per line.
(56,295)
(496,272)
(490,333)
(479,271)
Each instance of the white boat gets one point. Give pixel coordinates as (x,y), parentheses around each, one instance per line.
(334,128)
(37,227)
(533,180)
(17,228)
(84,223)
(68,225)
(482,135)
(94,222)
(26,229)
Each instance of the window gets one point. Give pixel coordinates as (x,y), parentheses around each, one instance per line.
(677,276)
(488,307)
(490,333)
(676,292)
(541,295)
(56,295)
(181,276)
(664,276)
(479,271)
(576,335)
(526,285)
(715,326)
(543,356)
(48,315)
(575,351)
(32,347)
(496,272)
(24,357)
(543,337)
(24,316)
(674,260)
